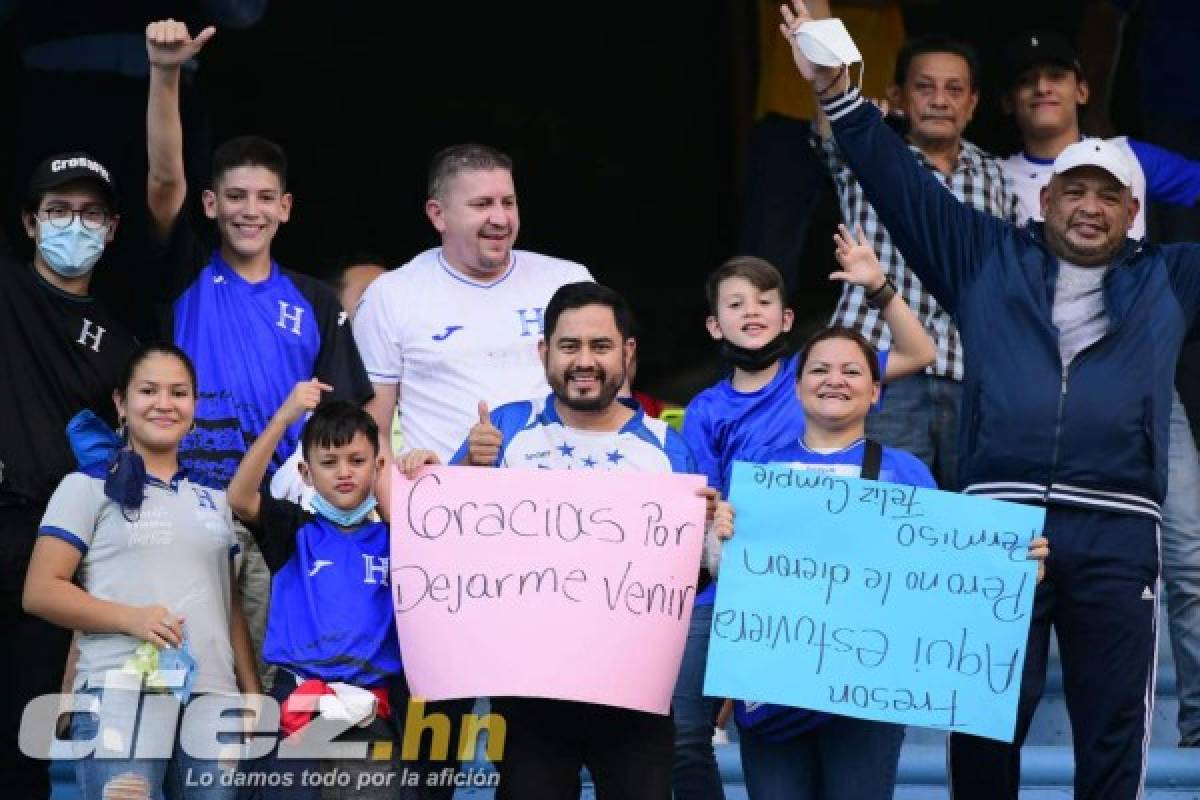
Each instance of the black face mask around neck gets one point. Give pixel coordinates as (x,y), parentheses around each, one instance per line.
(755,360)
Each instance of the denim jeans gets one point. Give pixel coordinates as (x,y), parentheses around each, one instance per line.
(1180,540)
(920,414)
(843,759)
(694,774)
(118,729)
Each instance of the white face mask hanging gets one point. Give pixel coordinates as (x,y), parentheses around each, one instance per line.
(827,43)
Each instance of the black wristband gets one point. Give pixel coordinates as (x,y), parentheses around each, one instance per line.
(879,298)
(821,92)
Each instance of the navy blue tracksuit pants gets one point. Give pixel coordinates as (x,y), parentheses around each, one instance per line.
(1099,594)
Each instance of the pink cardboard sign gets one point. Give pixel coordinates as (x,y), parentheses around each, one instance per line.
(565,584)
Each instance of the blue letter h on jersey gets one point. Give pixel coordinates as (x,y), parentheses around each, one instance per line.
(527,319)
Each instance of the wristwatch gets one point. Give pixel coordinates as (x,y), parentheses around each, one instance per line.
(883,295)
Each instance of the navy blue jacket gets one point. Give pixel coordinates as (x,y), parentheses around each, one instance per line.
(1092,434)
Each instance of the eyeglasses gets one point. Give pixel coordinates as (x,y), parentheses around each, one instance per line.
(93,218)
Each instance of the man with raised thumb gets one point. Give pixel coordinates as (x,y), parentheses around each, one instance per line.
(483,441)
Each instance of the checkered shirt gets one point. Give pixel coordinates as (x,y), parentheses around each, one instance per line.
(979,181)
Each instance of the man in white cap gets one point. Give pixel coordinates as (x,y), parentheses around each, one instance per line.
(1070,333)
(1046,90)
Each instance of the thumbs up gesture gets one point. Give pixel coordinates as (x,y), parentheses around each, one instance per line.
(483,441)
(168,43)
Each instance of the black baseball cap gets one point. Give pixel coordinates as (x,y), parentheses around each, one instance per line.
(65,168)
(1038,47)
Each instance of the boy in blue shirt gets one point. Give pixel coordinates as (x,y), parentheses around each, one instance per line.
(331,628)
(755,406)
(754,410)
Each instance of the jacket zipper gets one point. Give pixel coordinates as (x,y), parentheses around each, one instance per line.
(1062,402)
(1066,368)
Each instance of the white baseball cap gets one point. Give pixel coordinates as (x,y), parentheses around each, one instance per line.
(1095,153)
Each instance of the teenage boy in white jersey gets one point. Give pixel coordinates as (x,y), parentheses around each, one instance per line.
(459,323)
(1045,90)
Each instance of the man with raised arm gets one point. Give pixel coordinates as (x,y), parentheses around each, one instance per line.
(253,328)
(1070,334)
(1046,90)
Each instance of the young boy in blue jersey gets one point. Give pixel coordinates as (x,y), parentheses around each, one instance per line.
(754,409)
(755,406)
(331,629)
(809,755)
(252,328)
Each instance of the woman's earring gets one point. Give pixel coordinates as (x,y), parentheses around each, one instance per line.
(122,433)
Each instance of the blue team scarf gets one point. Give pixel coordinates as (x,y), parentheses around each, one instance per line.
(97,446)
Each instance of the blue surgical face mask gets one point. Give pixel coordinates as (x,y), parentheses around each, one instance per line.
(71,251)
(347,518)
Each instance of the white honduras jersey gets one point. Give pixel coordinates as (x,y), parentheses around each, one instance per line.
(534,437)
(1029,175)
(448,342)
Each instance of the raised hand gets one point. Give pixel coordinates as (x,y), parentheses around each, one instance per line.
(168,43)
(154,624)
(483,441)
(860,265)
(793,18)
(305,396)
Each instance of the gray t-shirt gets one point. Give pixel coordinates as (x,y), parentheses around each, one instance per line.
(1079,312)
(174,552)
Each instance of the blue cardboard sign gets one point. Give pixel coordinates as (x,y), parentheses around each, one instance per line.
(874,600)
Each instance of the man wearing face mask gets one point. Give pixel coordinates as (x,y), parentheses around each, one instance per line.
(61,352)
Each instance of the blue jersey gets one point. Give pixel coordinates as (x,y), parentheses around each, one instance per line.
(251,344)
(331,611)
(1170,178)
(898,466)
(723,425)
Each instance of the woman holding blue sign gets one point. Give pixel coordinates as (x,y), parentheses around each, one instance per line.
(793,752)
(155,600)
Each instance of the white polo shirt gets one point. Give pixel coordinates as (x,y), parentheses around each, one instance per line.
(448,342)
(174,551)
